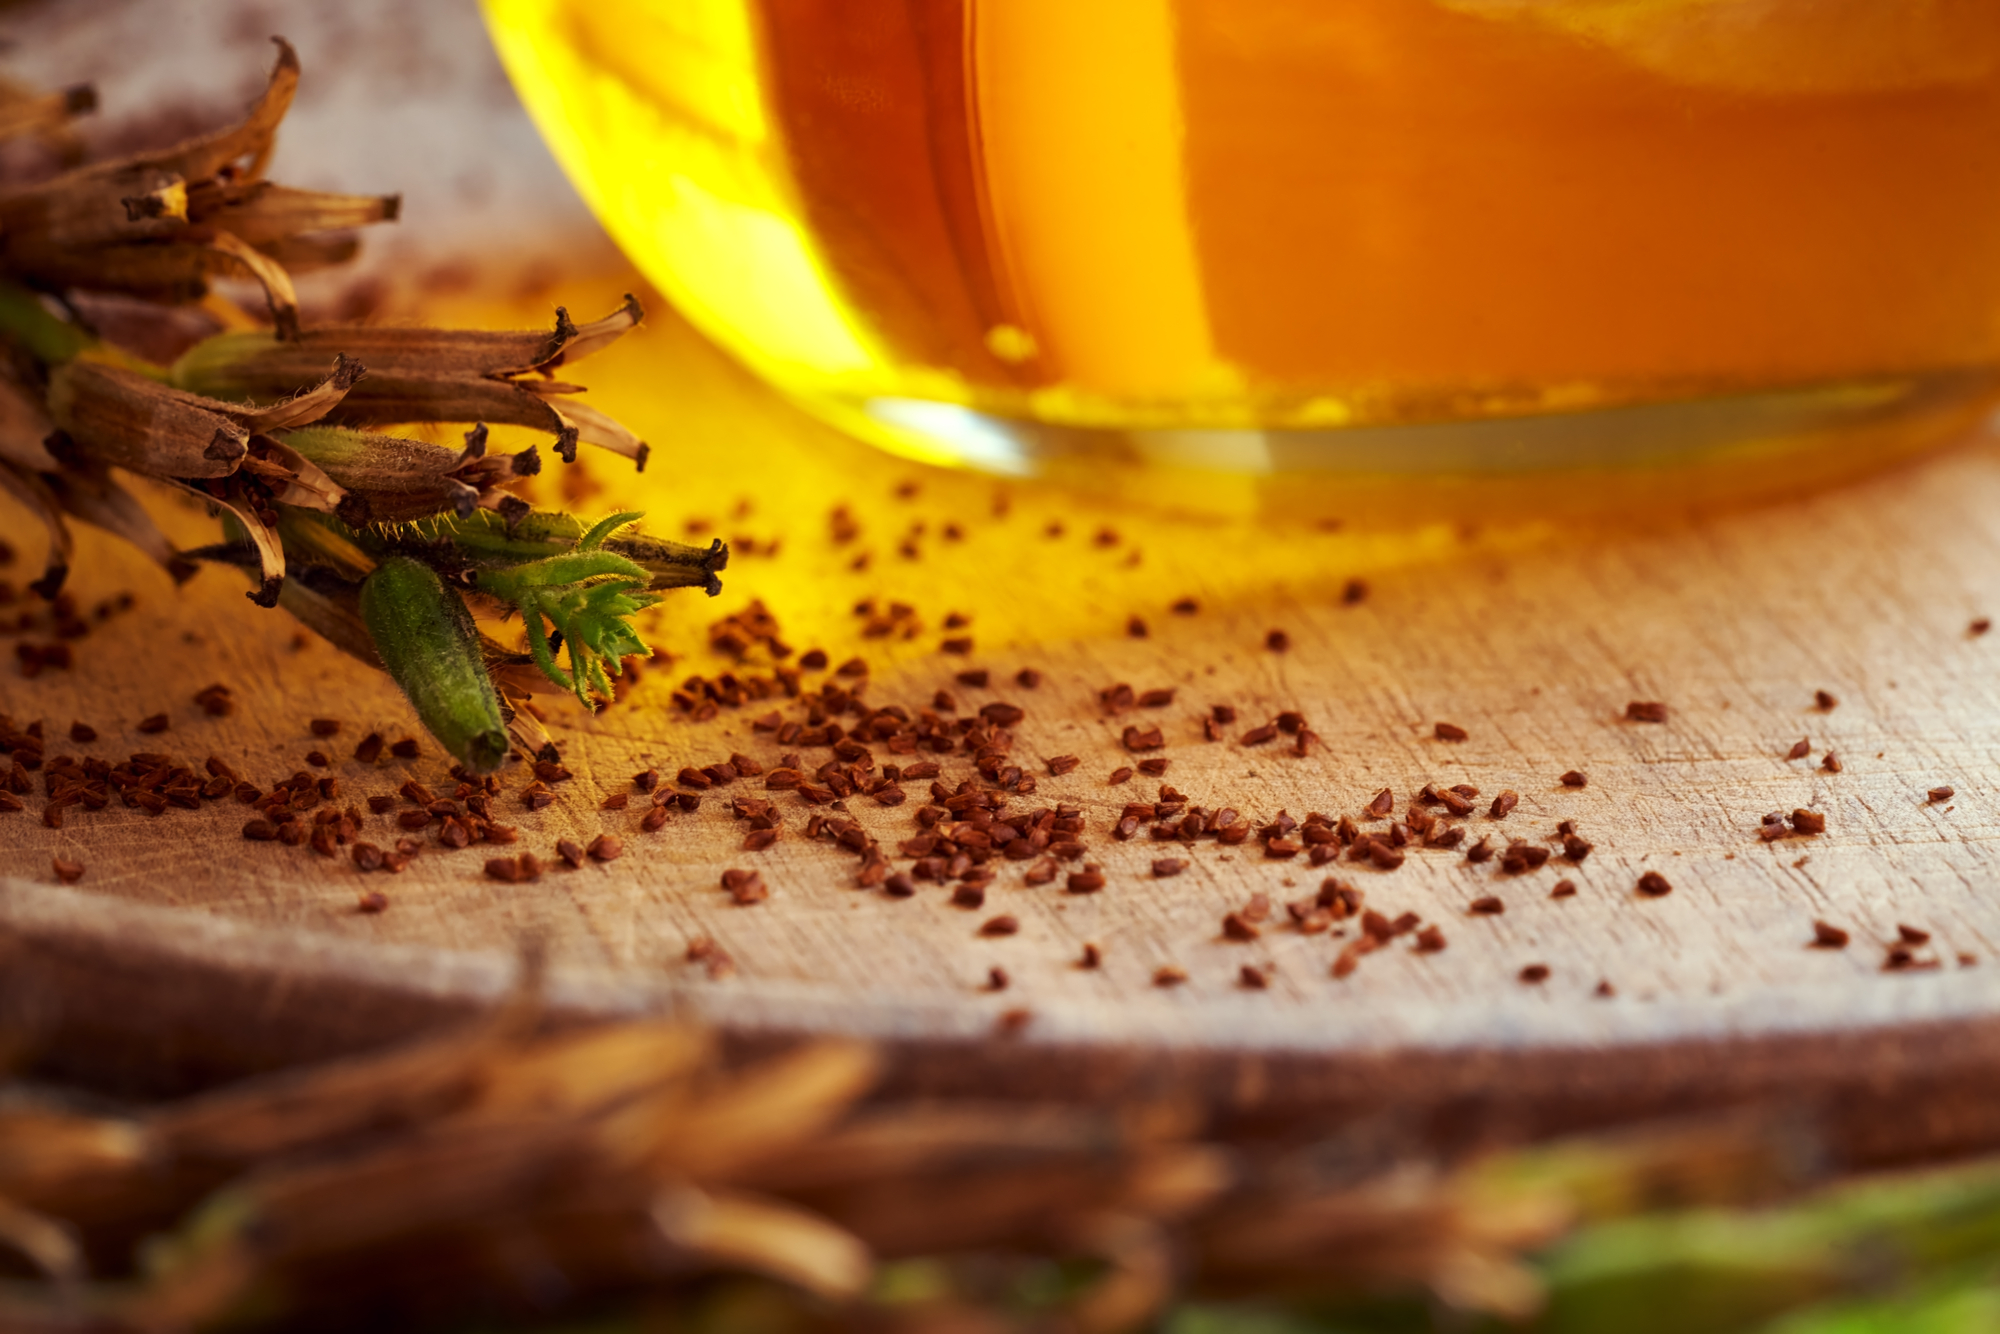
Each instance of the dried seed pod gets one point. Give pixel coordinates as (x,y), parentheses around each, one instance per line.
(425,639)
(116,415)
(393,480)
(158,224)
(119,416)
(433,375)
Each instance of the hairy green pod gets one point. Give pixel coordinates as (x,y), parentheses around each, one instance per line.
(427,643)
(488,539)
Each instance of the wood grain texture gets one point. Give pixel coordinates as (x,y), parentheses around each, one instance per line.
(1530,638)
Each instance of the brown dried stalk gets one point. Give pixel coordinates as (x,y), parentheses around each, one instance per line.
(158,225)
(631,1154)
(118,416)
(430,375)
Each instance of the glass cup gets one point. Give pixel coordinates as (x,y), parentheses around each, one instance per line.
(1274,253)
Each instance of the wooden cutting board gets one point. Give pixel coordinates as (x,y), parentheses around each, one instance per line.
(185,952)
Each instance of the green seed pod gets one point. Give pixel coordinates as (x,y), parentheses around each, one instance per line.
(490,540)
(425,638)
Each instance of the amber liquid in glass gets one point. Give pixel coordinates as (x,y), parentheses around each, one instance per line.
(1183,220)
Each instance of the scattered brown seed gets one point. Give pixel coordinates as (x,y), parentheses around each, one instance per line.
(713,957)
(1385,857)
(1534,973)
(996,979)
(1350,958)
(746,887)
(1450,732)
(1087,881)
(82,733)
(1654,885)
(1824,701)
(1482,851)
(1167,975)
(369,749)
(1575,848)
(655,819)
(1800,749)
(1003,925)
(1277,641)
(1236,926)
(1486,907)
(1092,957)
(1564,889)
(1808,822)
(1042,872)
(1827,936)
(1504,803)
(1119,775)
(1646,711)
(1381,803)
(324,726)
(969,895)
(1911,935)
(156,722)
(1143,739)
(1575,778)
(215,700)
(1831,763)
(976,678)
(371,901)
(1028,678)
(67,871)
(1942,794)
(1605,991)
(1164,867)
(957,644)
(406,749)
(1136,628)
(1980,625)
